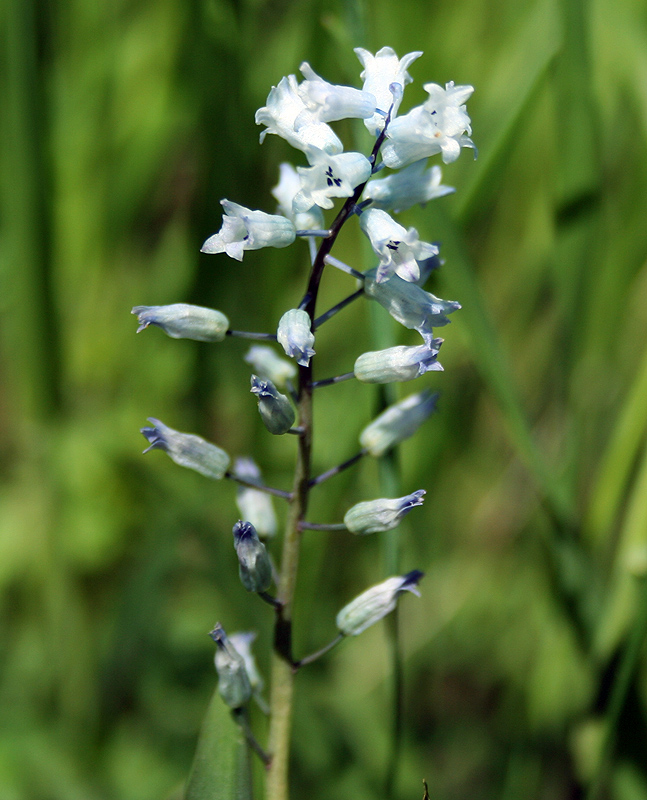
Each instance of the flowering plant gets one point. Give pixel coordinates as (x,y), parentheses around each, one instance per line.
(300,113)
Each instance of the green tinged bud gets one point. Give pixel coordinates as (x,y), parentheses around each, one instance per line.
(254,565)
(398,363)
(398,422)
(233,682)
(184,321)
(375,516)
(375,603)
(275,408)
(187,450)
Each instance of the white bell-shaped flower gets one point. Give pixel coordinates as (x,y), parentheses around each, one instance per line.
(287,116)
(244,229)
(407,187)
(330,176)
(381,71)
(329,102)
(440,125)
(399,249)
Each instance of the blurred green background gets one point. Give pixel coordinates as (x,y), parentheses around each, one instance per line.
(123,124)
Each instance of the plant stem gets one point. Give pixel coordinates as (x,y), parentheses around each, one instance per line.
(282,663)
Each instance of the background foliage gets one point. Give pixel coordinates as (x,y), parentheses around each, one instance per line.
(123,125)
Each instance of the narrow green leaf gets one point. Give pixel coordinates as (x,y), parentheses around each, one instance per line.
(221,768)
(619,459)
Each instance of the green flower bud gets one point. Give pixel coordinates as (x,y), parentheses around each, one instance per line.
(254,506)
(375,516)
(254,565)
(233,682)
(397,423)
(184,321)
(267,364)
(275,408)
(398,363)
(187,449)
(375,603)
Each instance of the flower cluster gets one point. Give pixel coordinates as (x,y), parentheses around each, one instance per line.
(301,112)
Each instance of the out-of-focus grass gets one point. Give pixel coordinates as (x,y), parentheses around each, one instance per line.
(123,125)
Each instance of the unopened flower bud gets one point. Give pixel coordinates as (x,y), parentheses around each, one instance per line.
(397,423)
(375,603)
(398,363)
(267,364)
(187,449)
(295,336)
(233,682)
(184,321)
(275,408)
(254,506)
(254,565)
(376,516)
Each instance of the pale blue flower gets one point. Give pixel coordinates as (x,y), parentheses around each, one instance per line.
(440,125)
(244,229)
(287,116)
(330,176)
(410,305)
(397,423)
(381,71)
(329,102)
(377,516)
(399,249)
(375,603)
(184,321)
(406,188)
(295,336)
(187,450)
(398,363)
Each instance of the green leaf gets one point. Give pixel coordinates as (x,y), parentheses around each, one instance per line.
(221,768)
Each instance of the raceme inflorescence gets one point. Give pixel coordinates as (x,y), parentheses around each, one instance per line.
(371,188)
